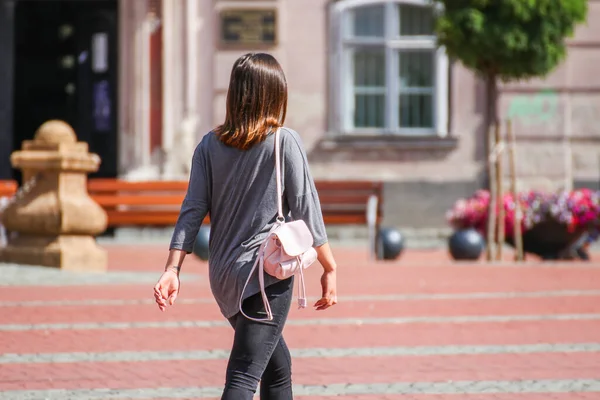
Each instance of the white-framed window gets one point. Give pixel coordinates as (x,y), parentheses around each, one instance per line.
(388,75)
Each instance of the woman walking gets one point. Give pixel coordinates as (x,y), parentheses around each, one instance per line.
(234,179)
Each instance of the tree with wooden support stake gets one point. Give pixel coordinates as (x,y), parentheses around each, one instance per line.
(495,230)
(506,40)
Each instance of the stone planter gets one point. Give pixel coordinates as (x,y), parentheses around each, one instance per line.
(549,240)
(55,221)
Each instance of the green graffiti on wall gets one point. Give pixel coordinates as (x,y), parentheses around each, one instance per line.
(539,108)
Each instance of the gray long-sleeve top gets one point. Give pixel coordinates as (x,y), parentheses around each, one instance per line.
(238,190)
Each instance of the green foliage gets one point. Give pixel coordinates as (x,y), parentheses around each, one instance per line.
(508,39)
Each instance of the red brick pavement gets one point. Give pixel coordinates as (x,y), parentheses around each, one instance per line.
(489,396)
(312,371)
(161,339)
(419,273)
(140,257)
(346,309)
(400,277)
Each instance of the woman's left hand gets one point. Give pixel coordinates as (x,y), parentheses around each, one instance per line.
(329,285)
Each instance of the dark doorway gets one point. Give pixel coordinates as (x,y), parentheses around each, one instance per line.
(66,68)
(7,22)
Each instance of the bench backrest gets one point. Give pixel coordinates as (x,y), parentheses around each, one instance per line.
(158,202)
(346,202)
(139,203)
(342,202)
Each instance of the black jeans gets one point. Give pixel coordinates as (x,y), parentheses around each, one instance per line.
(259,352)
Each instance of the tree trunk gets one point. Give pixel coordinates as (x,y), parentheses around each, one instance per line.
(493,116)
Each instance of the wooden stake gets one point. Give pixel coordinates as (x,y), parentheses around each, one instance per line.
(491,222)
(518,236)
(499,193)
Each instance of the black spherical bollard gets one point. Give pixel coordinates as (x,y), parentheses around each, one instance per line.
(201,243)
(466,244)
(390,244)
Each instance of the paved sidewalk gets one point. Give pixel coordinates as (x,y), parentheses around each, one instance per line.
(419,328)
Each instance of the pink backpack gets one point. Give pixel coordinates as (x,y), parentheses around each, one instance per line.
(286,251)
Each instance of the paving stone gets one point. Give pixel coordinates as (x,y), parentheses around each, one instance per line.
(418,328)
(28,275)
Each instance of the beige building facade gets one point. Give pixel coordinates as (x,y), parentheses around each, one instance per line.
(369,92)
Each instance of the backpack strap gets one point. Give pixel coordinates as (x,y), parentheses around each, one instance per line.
(302,302)
(258,265)
(278,173)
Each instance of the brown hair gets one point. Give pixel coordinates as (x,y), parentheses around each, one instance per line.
(256,101)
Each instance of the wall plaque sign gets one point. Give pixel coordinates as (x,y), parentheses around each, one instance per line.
(249,27)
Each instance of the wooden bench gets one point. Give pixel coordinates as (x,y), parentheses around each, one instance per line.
(353,203)
(157,203)
(8,188)
(347,202)
(145,203)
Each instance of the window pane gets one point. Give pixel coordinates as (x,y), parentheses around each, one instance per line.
(369,111)
(367,21)
(416,111)
(415,20)
(369,67)
(416,69)
(369,88)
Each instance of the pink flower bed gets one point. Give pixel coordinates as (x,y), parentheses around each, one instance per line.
(576,209)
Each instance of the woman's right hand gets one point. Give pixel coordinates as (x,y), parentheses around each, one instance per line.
(167,289)
(329,285)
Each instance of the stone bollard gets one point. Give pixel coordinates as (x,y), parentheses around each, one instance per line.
(55,219)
